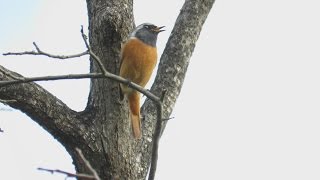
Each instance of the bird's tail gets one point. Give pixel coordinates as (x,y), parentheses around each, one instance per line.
(134,103)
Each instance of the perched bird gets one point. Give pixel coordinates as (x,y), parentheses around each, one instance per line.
(138,59)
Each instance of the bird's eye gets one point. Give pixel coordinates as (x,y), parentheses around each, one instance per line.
(147,26)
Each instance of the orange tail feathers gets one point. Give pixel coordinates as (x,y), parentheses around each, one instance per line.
(134,103)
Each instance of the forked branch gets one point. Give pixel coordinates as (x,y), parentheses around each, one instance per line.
(40,52)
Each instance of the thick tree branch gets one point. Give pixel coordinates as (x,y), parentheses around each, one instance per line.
(43,107)
(175,60)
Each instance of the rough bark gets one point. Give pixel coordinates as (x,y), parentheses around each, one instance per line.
(102,130)
(44,108)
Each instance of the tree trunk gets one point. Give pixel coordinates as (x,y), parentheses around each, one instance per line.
(102,131)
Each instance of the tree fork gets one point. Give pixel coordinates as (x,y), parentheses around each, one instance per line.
(102,130)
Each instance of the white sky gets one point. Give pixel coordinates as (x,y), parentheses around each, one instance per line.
(249,108)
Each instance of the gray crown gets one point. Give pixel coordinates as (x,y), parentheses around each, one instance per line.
(147,33)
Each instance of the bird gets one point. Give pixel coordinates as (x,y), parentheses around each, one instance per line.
(138,58)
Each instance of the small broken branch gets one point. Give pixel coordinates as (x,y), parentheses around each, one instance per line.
(40,52)
(167,119)
(68,174)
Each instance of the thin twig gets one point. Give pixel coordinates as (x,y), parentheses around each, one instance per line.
(86,162)
(95,57)
(156,137)
(42,53)
(167,119)
(50,78)
(68,174)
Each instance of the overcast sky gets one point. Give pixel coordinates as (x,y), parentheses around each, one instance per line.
(249,107)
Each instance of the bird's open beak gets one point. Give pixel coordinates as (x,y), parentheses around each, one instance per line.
(159,29)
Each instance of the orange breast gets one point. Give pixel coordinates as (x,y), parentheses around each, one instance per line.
(137,61)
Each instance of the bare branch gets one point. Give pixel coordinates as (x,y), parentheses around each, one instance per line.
(95,57)
(85,38)
(167,119)
(156,138)
(6,101)
(50,78)
(17,80)
(94,172)
(68,174)
(40,52)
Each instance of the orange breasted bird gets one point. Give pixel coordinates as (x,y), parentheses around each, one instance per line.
(138,59)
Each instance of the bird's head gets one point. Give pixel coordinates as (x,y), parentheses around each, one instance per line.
(147,33)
